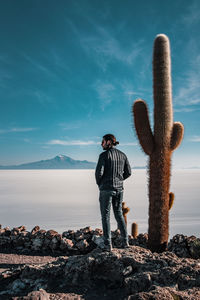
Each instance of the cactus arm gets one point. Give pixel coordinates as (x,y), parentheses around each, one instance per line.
(177,135)
(171,200)
(142,126)
(134,230)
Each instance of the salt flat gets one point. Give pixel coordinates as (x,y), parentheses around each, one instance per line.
(64,199)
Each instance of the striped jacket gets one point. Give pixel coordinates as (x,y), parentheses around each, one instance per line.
(112,168)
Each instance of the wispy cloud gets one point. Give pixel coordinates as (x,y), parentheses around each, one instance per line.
(193,14)
(128,144)
(4,77)
(115,90)
(183,109)
(82,143)
(72,143)
(71,125)
(17,129)
(40,65)
(42,97)
(195,139)
(188,95)
(129,90)
(105,92)
(106,48)
(103,45)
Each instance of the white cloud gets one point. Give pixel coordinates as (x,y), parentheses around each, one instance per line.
(72,143)
(185,109)
(17,129)
(82,143)
(195,139)
(128,144)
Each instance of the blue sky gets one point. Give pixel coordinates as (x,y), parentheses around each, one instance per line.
(70,71)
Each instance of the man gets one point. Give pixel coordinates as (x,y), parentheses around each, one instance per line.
(112,169)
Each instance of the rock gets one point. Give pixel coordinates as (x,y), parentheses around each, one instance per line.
(24,234)
(37,244)
(194,247)
(185,246)
(2,231)
(46,243)
(156,293)
(17,286)
(5,241)
(35,295)
(20,228)
(133,273)
(35,229)
(54,244)
(137,283)
(40,233)
(51,233)
(98,240)
(7,231)
(78,236)
(86,230)
(66,244)
(82,245)
(98,231)
(68,234)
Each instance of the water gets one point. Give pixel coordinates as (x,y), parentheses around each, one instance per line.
(68,199)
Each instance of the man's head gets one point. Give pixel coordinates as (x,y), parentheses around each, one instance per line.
(108,141)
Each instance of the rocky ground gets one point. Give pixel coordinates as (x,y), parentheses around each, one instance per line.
(133,273)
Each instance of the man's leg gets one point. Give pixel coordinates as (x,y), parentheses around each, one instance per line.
(117,208)
(105,199)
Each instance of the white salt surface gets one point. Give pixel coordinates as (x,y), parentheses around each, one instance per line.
(68,199)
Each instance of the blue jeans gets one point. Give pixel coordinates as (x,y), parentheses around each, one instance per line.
(105,199)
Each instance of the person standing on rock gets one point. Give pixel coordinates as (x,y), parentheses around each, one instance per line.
(111,170)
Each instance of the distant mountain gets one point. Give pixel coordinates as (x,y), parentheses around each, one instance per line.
(58,162)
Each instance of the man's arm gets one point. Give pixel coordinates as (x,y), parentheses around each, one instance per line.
(100,169)
(127,169)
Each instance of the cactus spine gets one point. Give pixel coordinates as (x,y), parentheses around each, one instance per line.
(159,145)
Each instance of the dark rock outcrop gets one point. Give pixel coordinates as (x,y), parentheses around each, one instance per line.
(83,271)
(82,241)
(133,273)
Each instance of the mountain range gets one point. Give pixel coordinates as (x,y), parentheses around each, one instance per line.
(58,162)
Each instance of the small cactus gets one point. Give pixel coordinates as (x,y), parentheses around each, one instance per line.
(125,210)
(134,230)
(159,144)
(171,200)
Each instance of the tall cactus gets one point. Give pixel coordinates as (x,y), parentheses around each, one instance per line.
(159,144)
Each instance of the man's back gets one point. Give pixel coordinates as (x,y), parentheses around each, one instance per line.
(112,168)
